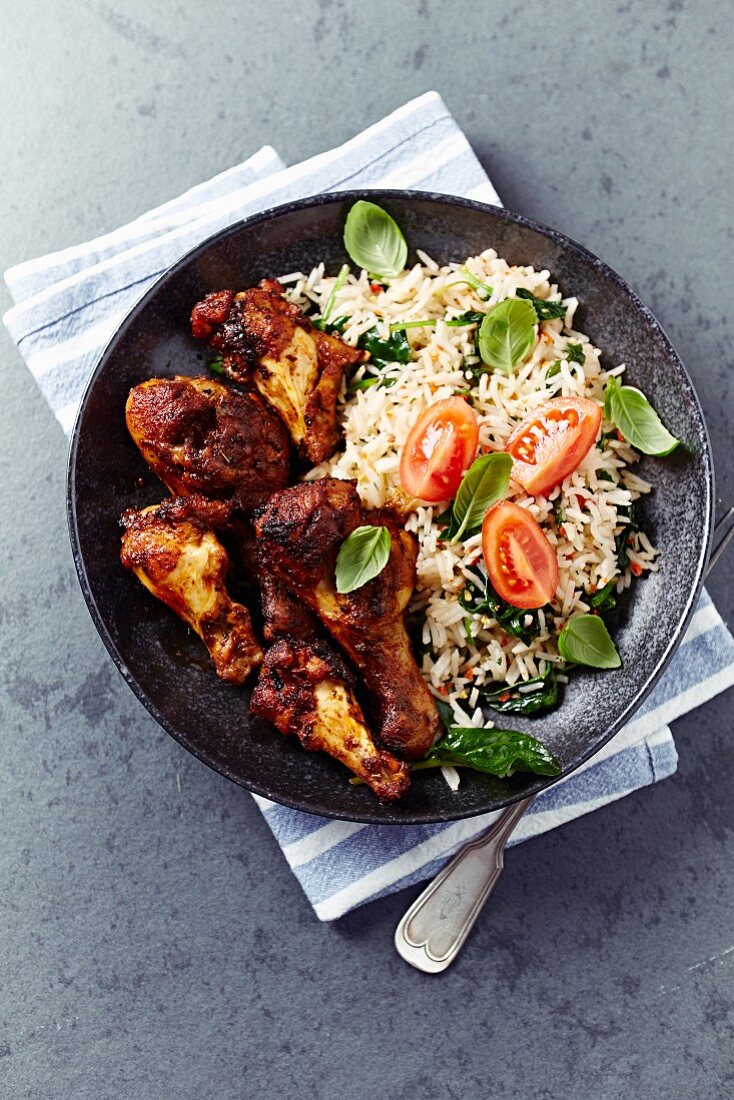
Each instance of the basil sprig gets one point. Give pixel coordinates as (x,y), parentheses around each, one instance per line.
(636,419)
(496,752)
(374,240)
(362,556)
(507,334)
(507,699)
(484,483)
(585,640)
(545,310)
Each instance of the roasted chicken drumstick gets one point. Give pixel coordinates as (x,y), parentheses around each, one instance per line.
(296,368)
(305,689)
(199,436)
(173,550)
(300,531)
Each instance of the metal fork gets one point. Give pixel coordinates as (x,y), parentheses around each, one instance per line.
(434,928)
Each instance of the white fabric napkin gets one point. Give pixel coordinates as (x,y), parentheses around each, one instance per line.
(69,303)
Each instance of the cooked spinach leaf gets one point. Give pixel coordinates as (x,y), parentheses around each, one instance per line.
(496,752)
(511,700)
(470,317)
(605,598)
(479,597)
(553,370)
(545,310)
(385,349)
(621,540)
(575,353)
(336,326)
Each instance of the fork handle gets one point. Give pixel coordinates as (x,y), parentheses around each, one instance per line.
(431,933)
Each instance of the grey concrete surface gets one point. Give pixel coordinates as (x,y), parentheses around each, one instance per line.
(153,943)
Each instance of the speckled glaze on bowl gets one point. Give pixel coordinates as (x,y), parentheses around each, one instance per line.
(167,667)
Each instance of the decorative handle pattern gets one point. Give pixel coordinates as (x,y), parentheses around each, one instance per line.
(431,933)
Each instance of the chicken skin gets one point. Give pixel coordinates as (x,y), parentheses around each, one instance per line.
(173,551)
(305,689)
(199,436)
(296,368)
(300,531)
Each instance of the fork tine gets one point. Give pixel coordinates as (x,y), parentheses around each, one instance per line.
(724,532)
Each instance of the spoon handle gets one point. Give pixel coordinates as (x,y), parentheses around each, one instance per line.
(431,933)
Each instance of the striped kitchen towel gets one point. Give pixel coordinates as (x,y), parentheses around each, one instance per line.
(68,304)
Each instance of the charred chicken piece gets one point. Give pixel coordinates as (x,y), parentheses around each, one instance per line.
(172,550)
(297,368)
(301,530)
(199,436)
(305,689)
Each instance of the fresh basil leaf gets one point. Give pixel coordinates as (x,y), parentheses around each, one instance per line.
(483,290)
(637,420)
(374,240)
(470,317)
(575,354)
(585,640)
(485,482)
(546,311)
(510,700)
(497,752)
(507,334)
(391,349)
(553,370)
(216,364)
(604,599)
(362,555)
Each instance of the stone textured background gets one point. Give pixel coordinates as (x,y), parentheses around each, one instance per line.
(152,941)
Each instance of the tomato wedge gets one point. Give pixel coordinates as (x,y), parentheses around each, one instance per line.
(439,450)
(521,563)
(552,441)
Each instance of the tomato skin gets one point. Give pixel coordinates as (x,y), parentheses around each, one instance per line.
(439,450)
(564,432)
(521,563)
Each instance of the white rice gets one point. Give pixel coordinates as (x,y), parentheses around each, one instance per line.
(376,424)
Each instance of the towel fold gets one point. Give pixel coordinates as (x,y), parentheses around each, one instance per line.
(69,303)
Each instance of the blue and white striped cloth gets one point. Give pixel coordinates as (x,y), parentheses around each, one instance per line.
(68,304)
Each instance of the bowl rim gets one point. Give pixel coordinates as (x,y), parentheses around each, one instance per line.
(533,787)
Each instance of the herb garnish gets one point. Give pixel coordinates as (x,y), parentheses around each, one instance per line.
(553,370)
(585,640)
(216,364)
(374,240)
(484,483)
(362,555)
(507,334)
(636,419)
(545,311)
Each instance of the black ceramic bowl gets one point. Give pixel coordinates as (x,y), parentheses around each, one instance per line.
(168,668)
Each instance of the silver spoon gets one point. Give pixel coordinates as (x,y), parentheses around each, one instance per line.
(433,930)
